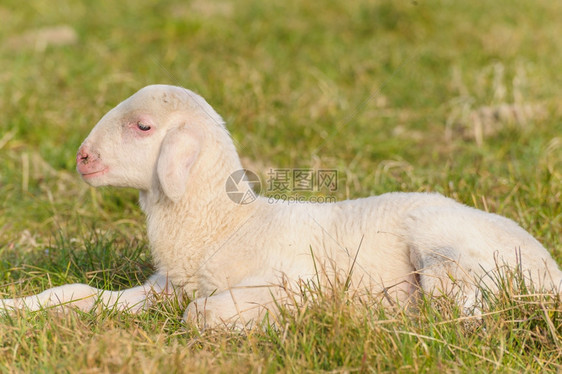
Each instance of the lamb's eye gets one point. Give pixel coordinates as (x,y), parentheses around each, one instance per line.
(142,127)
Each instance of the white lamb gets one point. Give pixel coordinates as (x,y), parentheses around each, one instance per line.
(168,143)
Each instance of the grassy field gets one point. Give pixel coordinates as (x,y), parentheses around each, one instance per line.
(461,98)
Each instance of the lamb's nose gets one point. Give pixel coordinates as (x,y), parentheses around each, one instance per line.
(82,156)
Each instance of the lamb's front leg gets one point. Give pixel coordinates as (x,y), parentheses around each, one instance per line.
(241,306)
(83,297)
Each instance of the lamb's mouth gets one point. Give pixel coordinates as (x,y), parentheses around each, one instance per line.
(93,173)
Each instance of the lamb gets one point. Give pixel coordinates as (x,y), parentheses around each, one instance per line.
(237,260)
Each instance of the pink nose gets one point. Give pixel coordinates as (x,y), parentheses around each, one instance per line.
(82,156)
(86,161)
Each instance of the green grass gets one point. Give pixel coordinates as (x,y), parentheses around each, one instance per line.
(389,93)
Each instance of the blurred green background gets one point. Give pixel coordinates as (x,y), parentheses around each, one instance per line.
(460,98)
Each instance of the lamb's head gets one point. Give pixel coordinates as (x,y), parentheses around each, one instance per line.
(151,140)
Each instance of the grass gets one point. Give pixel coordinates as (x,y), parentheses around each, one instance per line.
(458,98)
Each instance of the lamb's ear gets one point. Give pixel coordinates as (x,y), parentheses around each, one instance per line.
(178,152)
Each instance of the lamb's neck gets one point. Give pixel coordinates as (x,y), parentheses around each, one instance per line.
(194,226)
